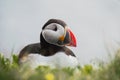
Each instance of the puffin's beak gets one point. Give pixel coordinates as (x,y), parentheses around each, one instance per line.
(72,39)
(68,39)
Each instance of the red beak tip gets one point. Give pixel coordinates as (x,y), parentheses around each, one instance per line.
(73,39)
(75,46)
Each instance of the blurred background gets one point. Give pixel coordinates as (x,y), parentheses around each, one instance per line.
(96,24)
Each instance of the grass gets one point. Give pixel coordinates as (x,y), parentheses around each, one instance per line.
(10,70)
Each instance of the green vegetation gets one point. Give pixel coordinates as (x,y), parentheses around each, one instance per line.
(10,70)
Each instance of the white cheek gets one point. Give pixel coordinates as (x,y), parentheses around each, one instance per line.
(61,30)
(53,36)
(50,36)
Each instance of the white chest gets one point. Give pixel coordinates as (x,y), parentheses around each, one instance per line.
(58,60)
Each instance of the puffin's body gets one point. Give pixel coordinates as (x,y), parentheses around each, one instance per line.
(52,50)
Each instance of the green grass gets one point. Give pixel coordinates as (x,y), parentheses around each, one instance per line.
(10,70)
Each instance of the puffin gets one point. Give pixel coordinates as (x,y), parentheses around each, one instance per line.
(52,49)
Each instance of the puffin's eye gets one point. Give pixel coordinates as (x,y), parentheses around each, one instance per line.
(55,28)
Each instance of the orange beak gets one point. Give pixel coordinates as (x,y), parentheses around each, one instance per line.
(72,39)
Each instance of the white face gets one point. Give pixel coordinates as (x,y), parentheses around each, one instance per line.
(53,32)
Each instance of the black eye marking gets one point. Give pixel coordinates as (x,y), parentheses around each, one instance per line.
(55,29)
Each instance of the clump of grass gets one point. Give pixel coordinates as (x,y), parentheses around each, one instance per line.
(110,71)
(10,70)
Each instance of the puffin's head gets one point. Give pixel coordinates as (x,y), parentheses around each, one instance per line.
(56,32)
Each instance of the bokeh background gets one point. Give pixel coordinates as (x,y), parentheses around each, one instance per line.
(96,24)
